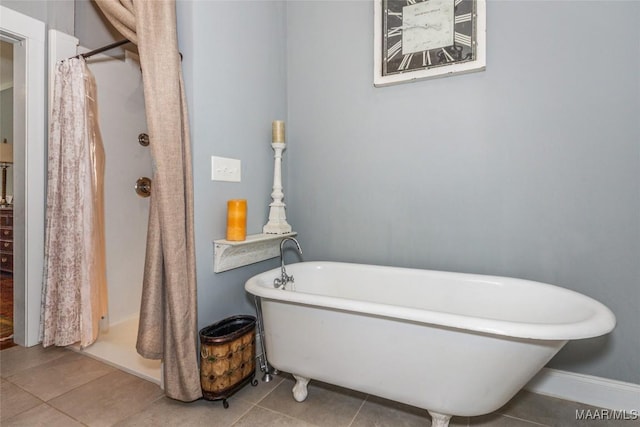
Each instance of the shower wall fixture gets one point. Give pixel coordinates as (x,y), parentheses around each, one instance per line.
(143,184)
(143,139)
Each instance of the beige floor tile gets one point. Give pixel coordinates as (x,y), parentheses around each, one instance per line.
(555,412)
(381,412)
(108,399)
(261,417)
(326,405)
(41,416)
(377,411)
(255,394)
(81,391)
(60,375)
(16,359)
(14,400)
(459,422)
(168,413)
(497,420)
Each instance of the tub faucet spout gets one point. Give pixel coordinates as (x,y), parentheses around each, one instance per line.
(284,277)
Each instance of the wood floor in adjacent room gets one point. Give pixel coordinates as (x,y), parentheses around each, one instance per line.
(6,310)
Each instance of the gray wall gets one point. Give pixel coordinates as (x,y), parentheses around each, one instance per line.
(93,29)
(529,169)
(6,119)
(6,128)
(234,91)
(58,14)
(236,84)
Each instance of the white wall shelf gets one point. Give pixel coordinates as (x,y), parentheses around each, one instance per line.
(228,254)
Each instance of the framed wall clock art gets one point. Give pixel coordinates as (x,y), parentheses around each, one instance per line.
(420,39)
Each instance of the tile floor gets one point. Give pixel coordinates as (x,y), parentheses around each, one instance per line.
(59,387)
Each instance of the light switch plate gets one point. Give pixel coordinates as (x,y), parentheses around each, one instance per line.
(224,169)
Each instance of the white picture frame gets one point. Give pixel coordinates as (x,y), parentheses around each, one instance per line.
(382,78)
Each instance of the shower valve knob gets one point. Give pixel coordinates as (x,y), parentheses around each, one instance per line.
(143,186)
(143,139)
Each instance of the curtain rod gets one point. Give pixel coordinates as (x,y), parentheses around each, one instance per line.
(102,49)
(109,47)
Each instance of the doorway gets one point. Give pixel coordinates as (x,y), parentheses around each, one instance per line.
(27,37)
(6,195)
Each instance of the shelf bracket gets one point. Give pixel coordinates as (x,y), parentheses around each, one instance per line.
(228,255)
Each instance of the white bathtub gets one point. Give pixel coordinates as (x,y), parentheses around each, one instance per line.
(451,343)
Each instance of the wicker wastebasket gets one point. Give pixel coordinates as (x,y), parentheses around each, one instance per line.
(227,357)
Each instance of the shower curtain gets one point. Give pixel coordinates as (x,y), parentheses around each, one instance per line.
(74,292)
(168,312)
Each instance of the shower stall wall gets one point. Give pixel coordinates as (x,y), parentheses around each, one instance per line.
(122,119)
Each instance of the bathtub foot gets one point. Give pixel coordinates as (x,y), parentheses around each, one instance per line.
(300,389)
(439,420)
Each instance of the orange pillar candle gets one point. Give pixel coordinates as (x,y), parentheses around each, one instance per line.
(237,220)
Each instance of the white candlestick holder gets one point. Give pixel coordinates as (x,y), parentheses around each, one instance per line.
(277,216)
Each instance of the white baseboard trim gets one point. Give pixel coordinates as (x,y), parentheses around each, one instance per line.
(587,389)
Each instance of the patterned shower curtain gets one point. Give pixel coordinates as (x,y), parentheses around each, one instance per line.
(74,292)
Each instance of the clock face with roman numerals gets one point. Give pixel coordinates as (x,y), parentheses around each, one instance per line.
(427,35)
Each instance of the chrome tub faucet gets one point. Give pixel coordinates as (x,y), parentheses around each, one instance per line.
(284,279)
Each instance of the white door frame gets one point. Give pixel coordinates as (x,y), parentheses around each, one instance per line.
(29,169)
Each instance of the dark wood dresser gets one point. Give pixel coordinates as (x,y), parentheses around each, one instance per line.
(6,239)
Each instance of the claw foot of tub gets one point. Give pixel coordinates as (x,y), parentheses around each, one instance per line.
(300,389)
(439,420)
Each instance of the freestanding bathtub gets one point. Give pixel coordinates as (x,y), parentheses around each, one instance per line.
(451,343)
